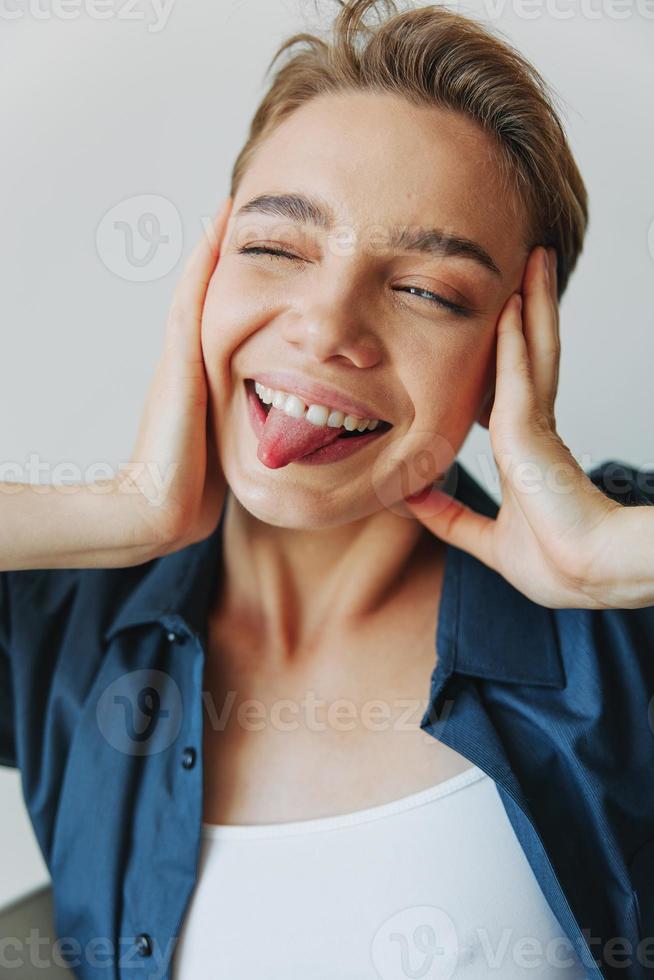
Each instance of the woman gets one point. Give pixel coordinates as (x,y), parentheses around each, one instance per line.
(280,712)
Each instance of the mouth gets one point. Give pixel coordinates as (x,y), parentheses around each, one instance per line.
(381,426)
(349,439)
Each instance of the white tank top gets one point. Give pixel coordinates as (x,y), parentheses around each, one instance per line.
(432,886)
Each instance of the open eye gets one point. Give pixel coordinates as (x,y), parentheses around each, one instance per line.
(436,299)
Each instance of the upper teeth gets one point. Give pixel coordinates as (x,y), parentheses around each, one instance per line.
(316,414)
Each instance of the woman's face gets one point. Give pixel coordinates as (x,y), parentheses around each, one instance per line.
(355,310)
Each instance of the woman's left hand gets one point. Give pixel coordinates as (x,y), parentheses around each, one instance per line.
(556,537)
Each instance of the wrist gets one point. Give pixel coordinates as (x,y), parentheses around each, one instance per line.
(141,516)
(629,559)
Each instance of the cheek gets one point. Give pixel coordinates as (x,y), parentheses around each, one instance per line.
(227,321)
(452,376)
(445,394)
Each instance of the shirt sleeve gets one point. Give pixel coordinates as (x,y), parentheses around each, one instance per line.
(7,740)
(624,483)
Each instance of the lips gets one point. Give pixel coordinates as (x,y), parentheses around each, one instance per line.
(316,393)
(261,412)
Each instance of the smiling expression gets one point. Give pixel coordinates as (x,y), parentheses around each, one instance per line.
(398,248)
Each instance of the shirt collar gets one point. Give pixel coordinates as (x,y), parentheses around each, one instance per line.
(487,628)
(495,631)
(177,586)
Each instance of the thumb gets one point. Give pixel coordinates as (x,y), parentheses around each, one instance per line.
(455,523)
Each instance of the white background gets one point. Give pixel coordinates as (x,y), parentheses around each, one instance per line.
(98,112)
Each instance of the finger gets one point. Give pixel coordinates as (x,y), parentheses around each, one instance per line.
(202,261)
(182,339)
(540,325)
(455,523)
(553,277)
(551,251)
(514,385)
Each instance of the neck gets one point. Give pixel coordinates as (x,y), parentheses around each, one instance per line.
(299,588)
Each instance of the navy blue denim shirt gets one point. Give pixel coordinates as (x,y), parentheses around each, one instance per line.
(101,710)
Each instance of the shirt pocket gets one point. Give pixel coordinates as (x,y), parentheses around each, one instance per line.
(641,871)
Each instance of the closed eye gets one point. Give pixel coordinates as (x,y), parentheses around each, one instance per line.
(262,250)
(428,295)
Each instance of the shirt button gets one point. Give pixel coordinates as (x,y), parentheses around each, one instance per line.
(144,945)
(188,758)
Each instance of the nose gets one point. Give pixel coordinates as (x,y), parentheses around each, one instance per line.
(327,330)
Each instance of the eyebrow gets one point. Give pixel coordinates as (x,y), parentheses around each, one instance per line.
(312,211)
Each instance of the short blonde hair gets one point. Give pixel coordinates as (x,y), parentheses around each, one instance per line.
(434,56)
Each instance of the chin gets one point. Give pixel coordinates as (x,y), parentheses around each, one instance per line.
(287,501)
(301,509)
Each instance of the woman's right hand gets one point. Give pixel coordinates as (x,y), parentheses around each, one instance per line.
(174,473)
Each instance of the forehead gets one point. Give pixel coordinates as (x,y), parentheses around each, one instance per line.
(381,160)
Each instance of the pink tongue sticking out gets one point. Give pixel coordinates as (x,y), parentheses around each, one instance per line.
(285,439)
